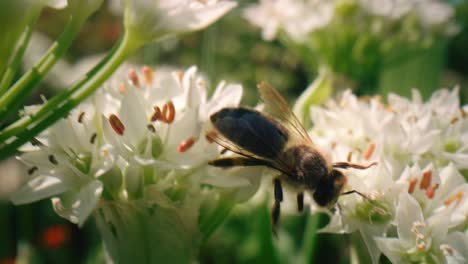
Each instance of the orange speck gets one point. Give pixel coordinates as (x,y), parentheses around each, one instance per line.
(55,236)
(156,115)
(168,112)
(369,151)
(430,192)
(148,74)
(116,124)
(133,77)
(426,180)
(412,185)
(186,144)
(456,197)
(122,88)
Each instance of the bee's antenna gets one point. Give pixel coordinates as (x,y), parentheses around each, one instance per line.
(378,207)
(345,165)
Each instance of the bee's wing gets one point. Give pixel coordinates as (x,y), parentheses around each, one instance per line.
(278,108)
(276,163)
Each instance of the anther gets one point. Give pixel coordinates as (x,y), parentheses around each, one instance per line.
(430,192)
(369,151)
(53,160)
(447,250)
(93,138)
(36,142)
(412,185)
(151,128)
(186,144)
(156,115)
(168,112)
(349,157)
(454,120)
(426,180)
(116,124)
(456,197)
(148,74)
(80,117)
(179,75)
(32,170)
(133,77)
(122,88)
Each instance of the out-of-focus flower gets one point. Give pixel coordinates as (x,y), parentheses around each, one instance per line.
(135,156)
(151,20)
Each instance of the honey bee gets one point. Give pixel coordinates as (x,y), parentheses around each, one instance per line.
(276,139)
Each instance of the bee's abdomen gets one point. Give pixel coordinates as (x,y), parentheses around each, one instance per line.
(251,130)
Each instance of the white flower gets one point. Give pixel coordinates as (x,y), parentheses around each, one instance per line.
(155,19)
(296,18)
(142,135)
(419,239)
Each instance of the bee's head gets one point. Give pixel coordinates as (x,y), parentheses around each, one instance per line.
(329,188)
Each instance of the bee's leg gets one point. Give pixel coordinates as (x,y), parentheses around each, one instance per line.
(345,165)
(300,202)
(275,212)
(358,193)
(238,161)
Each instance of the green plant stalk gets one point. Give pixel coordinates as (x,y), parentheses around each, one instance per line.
(216,217)
(30,126)
(13,67)
(309,247)
(15,96)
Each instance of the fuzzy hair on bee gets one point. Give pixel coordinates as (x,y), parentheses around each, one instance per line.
(275,138)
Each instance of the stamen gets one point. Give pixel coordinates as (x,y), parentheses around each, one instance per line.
(151,128)
(148,74)
(421,246)
(426,180)
(32,170)
(168,112)
(350,156)
(186,144)
(122,88)
(456,197)
(116,124)
(430,192)
(156,115)
(133,77)
(53,160)
(463,113)
(412,185)
(446,249)
(93,138)
(36,142)
(369,151)
(180,75)
(454,120)
(80,117)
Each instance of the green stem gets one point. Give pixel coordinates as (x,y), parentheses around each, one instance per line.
(16,95)
(30,126)
(309,247)
(13,67)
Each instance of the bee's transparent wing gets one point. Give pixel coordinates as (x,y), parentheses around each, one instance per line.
(221,140)
(278,108)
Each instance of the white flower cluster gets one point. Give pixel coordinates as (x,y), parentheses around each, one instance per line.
(416,210)
(140,138)
(299,18)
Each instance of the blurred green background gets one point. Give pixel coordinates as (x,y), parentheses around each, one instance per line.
(231,50)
